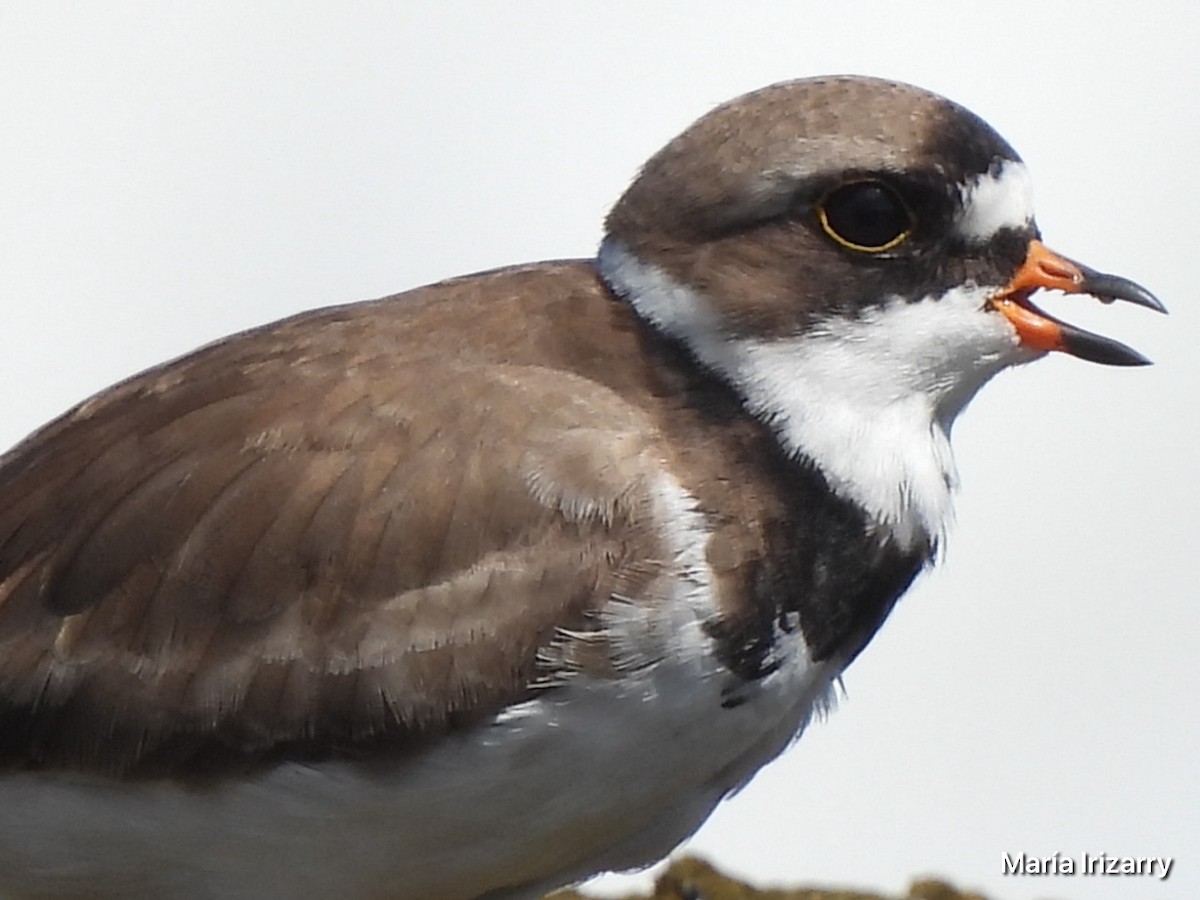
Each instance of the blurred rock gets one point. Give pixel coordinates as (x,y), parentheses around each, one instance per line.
(693,879)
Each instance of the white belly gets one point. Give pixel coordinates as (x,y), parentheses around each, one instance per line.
(600,774)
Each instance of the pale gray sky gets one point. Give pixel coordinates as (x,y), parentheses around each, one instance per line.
(170,173)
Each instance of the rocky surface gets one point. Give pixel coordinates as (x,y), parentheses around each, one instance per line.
(693,879)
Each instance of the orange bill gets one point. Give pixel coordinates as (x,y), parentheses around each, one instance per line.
(1038,330)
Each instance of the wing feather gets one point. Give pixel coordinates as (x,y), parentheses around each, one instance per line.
(266,551)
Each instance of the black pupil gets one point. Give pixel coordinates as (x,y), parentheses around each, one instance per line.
(866,214)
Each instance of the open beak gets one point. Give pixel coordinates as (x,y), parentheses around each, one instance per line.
(1043,268)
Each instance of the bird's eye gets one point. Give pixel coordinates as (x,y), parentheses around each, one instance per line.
(868,216)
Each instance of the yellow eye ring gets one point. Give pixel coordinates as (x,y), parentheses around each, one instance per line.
(866,215)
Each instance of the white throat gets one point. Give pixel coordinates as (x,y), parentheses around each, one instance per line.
(869,401)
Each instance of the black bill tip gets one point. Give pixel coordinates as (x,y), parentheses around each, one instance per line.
(1099,349)
(1108,288)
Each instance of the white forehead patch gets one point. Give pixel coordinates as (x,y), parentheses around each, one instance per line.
(1001,197)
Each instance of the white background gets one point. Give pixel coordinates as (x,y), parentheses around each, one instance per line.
(170,173)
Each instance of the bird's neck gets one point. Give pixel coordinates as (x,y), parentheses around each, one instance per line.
(868,401)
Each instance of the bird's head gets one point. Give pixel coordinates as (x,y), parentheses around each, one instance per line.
(848,250)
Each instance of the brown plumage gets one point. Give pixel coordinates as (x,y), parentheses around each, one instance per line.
(340,534)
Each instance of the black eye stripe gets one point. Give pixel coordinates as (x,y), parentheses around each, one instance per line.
(866,215)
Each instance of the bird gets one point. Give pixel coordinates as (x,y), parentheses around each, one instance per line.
(480,589)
